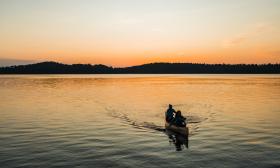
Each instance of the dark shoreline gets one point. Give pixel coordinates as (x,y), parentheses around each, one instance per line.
(153,68)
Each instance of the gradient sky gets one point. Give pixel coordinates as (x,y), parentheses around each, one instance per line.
(129,32)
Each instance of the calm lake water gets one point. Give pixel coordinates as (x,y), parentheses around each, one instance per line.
(118,120)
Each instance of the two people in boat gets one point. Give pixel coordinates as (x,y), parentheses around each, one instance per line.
(173,117)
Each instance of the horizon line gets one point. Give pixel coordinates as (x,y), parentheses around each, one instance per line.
(48,61)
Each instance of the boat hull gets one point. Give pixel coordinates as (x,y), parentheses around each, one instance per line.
(179,130)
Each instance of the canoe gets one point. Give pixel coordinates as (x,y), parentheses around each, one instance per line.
(179,130)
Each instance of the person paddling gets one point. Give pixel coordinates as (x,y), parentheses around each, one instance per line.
(169,115)
(179,120)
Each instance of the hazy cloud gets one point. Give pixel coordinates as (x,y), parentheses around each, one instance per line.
(246,36)
(181,54)
(9,62)
(275,53)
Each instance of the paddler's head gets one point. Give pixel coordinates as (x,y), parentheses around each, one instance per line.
(178,113)
(170,106)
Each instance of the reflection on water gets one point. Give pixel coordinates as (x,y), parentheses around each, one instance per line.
(118,120)
(179,140)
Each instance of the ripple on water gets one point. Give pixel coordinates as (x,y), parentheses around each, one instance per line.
(73,121)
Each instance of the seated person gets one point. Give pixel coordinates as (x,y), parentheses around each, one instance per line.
(169,115)
(179,120)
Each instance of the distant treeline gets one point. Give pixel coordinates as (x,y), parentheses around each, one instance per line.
(153,68)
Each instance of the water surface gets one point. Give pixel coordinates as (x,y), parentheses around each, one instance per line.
(118,120)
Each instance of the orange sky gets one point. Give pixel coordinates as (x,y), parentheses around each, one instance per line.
(130,32)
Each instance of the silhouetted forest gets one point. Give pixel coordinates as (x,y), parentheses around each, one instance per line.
(153,68)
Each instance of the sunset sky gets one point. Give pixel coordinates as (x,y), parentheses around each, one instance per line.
(131,32)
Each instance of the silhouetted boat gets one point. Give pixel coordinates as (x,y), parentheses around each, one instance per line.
(176,129)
